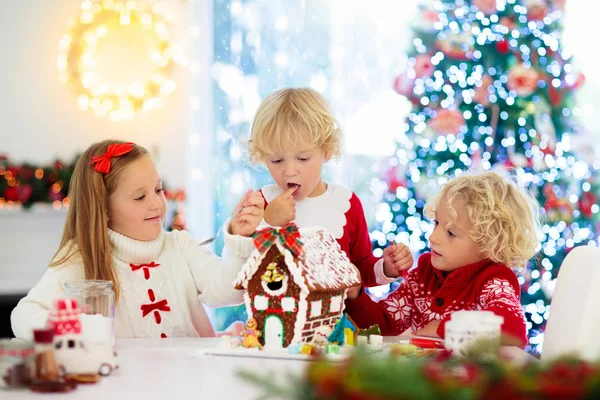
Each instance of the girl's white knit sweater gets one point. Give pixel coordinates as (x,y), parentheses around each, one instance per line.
(163,285)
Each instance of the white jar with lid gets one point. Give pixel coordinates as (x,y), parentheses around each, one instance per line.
(96,300)
(469,326)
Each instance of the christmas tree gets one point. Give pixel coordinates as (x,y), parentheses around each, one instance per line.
(492,88)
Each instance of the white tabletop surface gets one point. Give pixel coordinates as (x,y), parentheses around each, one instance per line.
(178,369)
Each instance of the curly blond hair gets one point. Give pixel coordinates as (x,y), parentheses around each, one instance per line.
(505,217)
(298,116)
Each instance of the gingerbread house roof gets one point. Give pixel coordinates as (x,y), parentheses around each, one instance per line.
(322,266)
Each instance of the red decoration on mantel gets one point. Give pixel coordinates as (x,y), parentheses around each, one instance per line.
(162,305)
(145,267)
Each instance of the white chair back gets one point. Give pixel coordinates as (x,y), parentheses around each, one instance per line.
(574,321)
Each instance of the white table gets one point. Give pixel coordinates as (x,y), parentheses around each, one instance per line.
(178,369)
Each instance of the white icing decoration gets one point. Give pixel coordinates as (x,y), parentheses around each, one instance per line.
(261,302)
(322,334)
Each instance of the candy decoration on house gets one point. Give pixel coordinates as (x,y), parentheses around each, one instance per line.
(372,330)
(295,282)
(104,25)
(81,360)
(251,335)
(345,332)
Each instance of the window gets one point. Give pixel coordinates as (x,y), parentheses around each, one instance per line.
(288,304)
(315,308)
(336,304)
(275,288)
(261,302)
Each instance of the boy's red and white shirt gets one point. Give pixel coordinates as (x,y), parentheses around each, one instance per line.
(428,294)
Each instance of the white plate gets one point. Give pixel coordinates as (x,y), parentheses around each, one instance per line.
(345,352)
(272,354)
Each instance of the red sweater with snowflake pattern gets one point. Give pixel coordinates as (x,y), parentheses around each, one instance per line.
(428,294)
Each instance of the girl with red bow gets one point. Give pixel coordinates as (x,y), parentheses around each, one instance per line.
(114,231)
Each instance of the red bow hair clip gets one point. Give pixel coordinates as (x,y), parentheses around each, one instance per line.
(102,162)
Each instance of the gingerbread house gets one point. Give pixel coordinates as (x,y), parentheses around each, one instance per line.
(295,283)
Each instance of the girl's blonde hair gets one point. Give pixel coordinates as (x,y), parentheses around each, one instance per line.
(294,116)
(86,228)
(505,218)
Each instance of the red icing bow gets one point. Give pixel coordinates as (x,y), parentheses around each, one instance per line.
(288,235)
(102,162)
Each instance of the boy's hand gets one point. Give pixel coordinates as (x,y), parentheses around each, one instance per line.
(396,258)
(282,210)
(248,213)
(354,292)
(429,330)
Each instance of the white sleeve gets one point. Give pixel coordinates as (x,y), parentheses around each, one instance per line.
(214,276)
(32,311)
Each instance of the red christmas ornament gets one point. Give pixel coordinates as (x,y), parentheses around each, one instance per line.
(394,179)
(11,193)
(28,174)
(329,386)
(586,201)
(579,81)
(55,196)
(503,47)
(554,95)
(403,85)
(434,371)
(24,192)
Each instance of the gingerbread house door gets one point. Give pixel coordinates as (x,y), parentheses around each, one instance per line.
(273,332)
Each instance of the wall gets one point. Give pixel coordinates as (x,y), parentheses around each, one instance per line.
(39,117)
(40,121)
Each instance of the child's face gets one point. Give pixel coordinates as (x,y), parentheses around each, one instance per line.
(137,207)
(452,248)
(299,168)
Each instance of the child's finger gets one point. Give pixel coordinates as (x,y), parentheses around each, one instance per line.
(403,251)
(256,201)
(401,259)
(390,250)
(255,211)
(237,209)
(240,204)
(288,193)
(398,248)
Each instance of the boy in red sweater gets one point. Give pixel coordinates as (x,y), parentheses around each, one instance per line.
(484,226)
